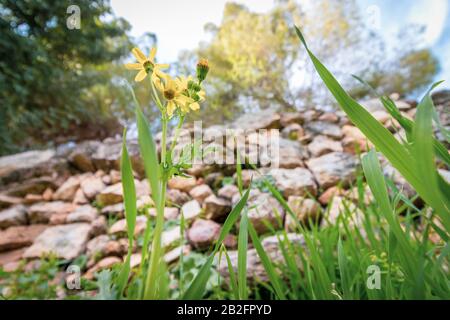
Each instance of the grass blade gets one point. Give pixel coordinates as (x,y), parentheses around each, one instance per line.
(242,256)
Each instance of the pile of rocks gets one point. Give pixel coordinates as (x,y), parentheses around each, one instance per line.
(69,201)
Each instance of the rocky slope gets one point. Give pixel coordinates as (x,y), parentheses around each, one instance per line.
(68,201)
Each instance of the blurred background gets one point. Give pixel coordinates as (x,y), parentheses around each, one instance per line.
(61,84)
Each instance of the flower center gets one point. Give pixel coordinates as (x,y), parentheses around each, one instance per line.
(169,94)
(148,66)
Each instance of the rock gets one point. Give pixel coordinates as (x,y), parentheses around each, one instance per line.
(99,226)
(354,140)
(19,236)
(48,194)
(391,173)
(255,269)
(214,179)
(117,209)
(120,227)
(228,191)
(42,211)
(96,246)
(6,201)
(34,186)
(263,210)
(216,208)
(170,213)
(115,176)
(201,192)
(105,263)
(58,218)
(10,259)
(305,210)
(91,186)
(328,195)
(191,210)
(203,233)
(321,145)
(333,168)
(68,189)
(65,241)
(367,196)
(33,198)
(176,197)
(14,216)
(293,131)
(80,198)
(81,156)
(324,128)
(113,194)
(84,213)
(299,181)
(170,237)
(329,117)
(247,176)
(265,119)
(342,208)
(175,254)
(182,184)
(290,155)
(288,118)
(17,166)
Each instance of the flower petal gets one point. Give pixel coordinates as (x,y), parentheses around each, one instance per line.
(152,54)
(139,55)
(134,66)
(194,106)
(162,65)
(171,107)
(140,76)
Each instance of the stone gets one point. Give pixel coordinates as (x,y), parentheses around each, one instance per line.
(171,237)
(293,131)
(288,118)
(333,168)
(35,186)
(321,145)
(216,208)
(33,198)
(299,181)
(182,184)
(65,241)
(91,186)
(203,233)
(117,209)
(48,194)
(305,210)
(342,208)
(329,117)
(324,128)
(6,201)
(15,167)
(191,210)
(170,213)
(228,191)
(174,254)
(401,183)
(114,194)
(115,176)
(105,263)
(326,197)
(42,211)
(96,246)
(66,192)
(58,218)
(81,156)
(85,213)
(176,197)
(214,179)
(264,211)
(354,140)
(265,119)
(120,227)
(80,198)
(290,155)
(19,236)
(14,216)
(99,226)
(255,269)
(201,192)
(247,176)
(8,258)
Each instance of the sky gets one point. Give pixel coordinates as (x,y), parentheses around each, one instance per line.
(179,23)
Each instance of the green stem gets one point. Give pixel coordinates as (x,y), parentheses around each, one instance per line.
(177,133)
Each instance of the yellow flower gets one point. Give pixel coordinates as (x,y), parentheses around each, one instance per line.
(173,91)
(196,96)
(146,65)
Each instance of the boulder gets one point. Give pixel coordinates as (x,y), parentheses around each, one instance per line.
(299,181)
(203,233)
(91,186)
(191,210)
(201,192)
(333,168)
(14,216)
(265,119)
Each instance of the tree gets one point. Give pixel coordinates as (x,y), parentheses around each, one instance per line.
(256,62)
(53,78)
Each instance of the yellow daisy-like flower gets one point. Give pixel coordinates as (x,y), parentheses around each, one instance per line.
(173,92)
(194,105)
(146,65)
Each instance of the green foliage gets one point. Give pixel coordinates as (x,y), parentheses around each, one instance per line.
(55,80)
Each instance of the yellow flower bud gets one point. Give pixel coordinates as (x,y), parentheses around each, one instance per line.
(202,69)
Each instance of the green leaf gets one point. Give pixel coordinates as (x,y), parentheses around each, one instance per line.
(242,256)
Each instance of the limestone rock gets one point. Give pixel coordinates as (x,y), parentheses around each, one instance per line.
(324,128)
(65,241)
(41,212)
(321,145)
(305,210)
(203,233)
(216,208)
(170,213)
(67,191)
(228,191)
(297,181)
(19,236)
(84,213)
(176,197)
(92,186)
(201,192)
(333,168)
(191,210)
(14,216)
(182,184)
(120,227)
